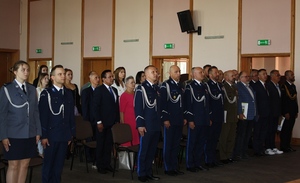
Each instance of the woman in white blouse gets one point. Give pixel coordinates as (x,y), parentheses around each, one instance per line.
(120,74)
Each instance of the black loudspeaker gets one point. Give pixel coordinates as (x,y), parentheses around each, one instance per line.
(186,21)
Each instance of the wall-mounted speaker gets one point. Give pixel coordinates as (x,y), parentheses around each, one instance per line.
(186,21)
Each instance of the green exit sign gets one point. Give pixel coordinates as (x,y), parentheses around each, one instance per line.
(169,46)
(38,51)
(96,48)
(263,42)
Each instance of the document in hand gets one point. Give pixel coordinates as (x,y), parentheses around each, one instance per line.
(245,109)
(281,121)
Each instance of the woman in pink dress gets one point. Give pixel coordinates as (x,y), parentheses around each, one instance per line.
(127,110)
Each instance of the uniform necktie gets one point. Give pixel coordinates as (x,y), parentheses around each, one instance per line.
(23,88)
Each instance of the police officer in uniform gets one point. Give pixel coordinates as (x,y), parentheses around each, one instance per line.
(216,116)
(147,114)
(58,125)
(197,114)
(173,120)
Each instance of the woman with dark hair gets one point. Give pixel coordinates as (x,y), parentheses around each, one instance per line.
(20,126)
(42,69)
(74,88)
(140,77)
(120,74)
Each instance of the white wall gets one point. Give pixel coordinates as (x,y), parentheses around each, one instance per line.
(23,29)
(216,17)
(68,29)
(132,22)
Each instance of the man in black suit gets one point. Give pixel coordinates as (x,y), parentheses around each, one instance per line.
(106,114)
(253,77)
(289,111)
(263,112)
(275,111)
(87,107)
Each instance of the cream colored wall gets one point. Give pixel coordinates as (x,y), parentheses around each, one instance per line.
(132,22)
(23,29)
(68,29)
(216,17)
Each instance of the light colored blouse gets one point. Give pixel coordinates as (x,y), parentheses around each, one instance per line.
(119,88)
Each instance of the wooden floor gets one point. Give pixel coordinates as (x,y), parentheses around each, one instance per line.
(268,169)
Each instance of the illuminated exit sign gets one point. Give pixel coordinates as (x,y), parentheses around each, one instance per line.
(263,42)
(169,46)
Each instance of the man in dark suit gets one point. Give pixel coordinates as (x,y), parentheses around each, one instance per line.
(106,114)
(216,116)
(228,132)
(56,108)
(275,111)
(253,77)
(147,112)
(197,114)
(87,108)
(173,119)
(263,114)
(246,113)
(289,111)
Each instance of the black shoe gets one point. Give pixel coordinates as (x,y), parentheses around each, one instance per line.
(143,179)
(151,177)
(109,168)
(286,150)
(192,169)
(292,150)
(201,168)
(178,172)
(231,160)
(218,163)
(210,165)
(171,173)
(237,158)
(225,161)
(102,171)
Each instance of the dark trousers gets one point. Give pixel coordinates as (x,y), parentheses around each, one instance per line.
(212,141)
(271,132)
(243,134)
(54,158)
(195,145)
(259,134)
(104,148)
(227,140)
(286,133)
(172,137)
(146,155)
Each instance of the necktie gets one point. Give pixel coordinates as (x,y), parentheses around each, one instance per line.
(265,85)
(23,88)
(111,92)
(278,89)
(250,91)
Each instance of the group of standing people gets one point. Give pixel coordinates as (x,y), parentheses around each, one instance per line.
(221,110)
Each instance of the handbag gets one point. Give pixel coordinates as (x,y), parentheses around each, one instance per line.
(124,160)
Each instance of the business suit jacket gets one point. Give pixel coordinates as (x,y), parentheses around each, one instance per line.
(216,106)
(197,111)
(146,116)
(244,96)
(262,99)
(87,96)
(171,110)
(230,108)
(57,127)
(105,107)
(289,105)
(17,122)
(275,100)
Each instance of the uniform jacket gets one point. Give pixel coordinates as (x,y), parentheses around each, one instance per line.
(288,104)
(231,108)
(57,125)
(172,102)
(197,110)
(106,107)
(216,106)
(262,99)
(19,122)
(147,106)
(244,96)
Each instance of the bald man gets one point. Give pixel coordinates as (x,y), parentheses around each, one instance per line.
(227,137)
(147,112)
(173,120)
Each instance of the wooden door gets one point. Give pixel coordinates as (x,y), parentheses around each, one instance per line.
(6,63)
(35,66)
(97,65)
(246,64)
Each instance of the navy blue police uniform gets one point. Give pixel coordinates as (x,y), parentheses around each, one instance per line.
(197,111)
(58,126)
(172,108)
(146,107)
(217,117)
